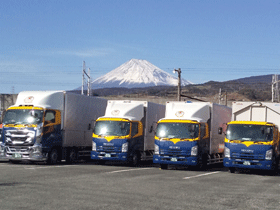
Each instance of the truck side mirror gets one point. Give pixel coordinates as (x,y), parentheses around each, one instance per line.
(267,130)
(92,124)
(220,130)
(151,129)
(192,128)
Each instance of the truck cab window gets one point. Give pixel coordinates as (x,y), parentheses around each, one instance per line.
(134,128)
(202,130)
(50,117)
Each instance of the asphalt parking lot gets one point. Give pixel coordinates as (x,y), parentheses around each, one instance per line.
(87,185)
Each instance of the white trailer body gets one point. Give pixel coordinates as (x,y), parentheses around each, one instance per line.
(256,111)
(80,113)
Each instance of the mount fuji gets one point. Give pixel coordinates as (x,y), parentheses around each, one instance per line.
(136,73)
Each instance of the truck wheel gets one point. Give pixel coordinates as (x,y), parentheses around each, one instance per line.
(14,161)
(101,162)
(164,166)
(231,169)
(52,157)
(135,159)
(72,156)
(275,167)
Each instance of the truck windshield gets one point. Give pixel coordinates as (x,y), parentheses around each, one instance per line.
(177,130)
(249,132)
(23,116)
(111,128)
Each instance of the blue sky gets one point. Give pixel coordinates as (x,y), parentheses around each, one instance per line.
(43,43)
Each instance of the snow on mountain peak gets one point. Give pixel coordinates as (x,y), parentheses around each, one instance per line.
(136,73)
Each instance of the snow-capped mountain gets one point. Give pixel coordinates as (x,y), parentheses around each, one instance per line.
(136,73)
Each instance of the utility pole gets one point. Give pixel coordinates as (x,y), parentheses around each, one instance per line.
(88,83)
(220,95)
(179,82)
(274,88)
(88,79)
(83,79)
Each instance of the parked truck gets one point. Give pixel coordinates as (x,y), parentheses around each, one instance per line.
(125,133)
(49,126)
(188,135)
(252,137)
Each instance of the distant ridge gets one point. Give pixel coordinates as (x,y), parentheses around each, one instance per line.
(255,79)
(136,73)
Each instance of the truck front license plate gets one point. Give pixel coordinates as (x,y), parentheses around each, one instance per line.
(107,155)
(16,155)
(246,163)
(173,159)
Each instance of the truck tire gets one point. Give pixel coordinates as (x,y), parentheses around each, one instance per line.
(231,170)
(14,161)
(52,157)
(134,159)
(275,166)
(72,156)
(202,165)
(164,166)
(101,162)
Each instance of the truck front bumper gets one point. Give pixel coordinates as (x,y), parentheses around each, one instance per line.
(248,164)
(26,156)
(109,156)
(30,154)
(163,159)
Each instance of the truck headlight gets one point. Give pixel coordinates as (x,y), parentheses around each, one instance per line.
(125,147)
(194,151)
(93,146)
(227,152)
(156,149)
(268,154)
(37,149)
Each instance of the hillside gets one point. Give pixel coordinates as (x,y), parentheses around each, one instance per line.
(248,89)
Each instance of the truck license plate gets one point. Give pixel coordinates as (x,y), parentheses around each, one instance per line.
(173,159)
(246,163)
(16,155)
(107,155)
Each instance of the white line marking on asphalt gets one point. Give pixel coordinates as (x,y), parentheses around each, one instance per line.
(190,177)
(119,171)
(49,167)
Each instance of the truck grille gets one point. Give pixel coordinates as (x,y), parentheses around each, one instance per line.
(18,149)
(175,152)
(108,149)
(19,137)
(248,156)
